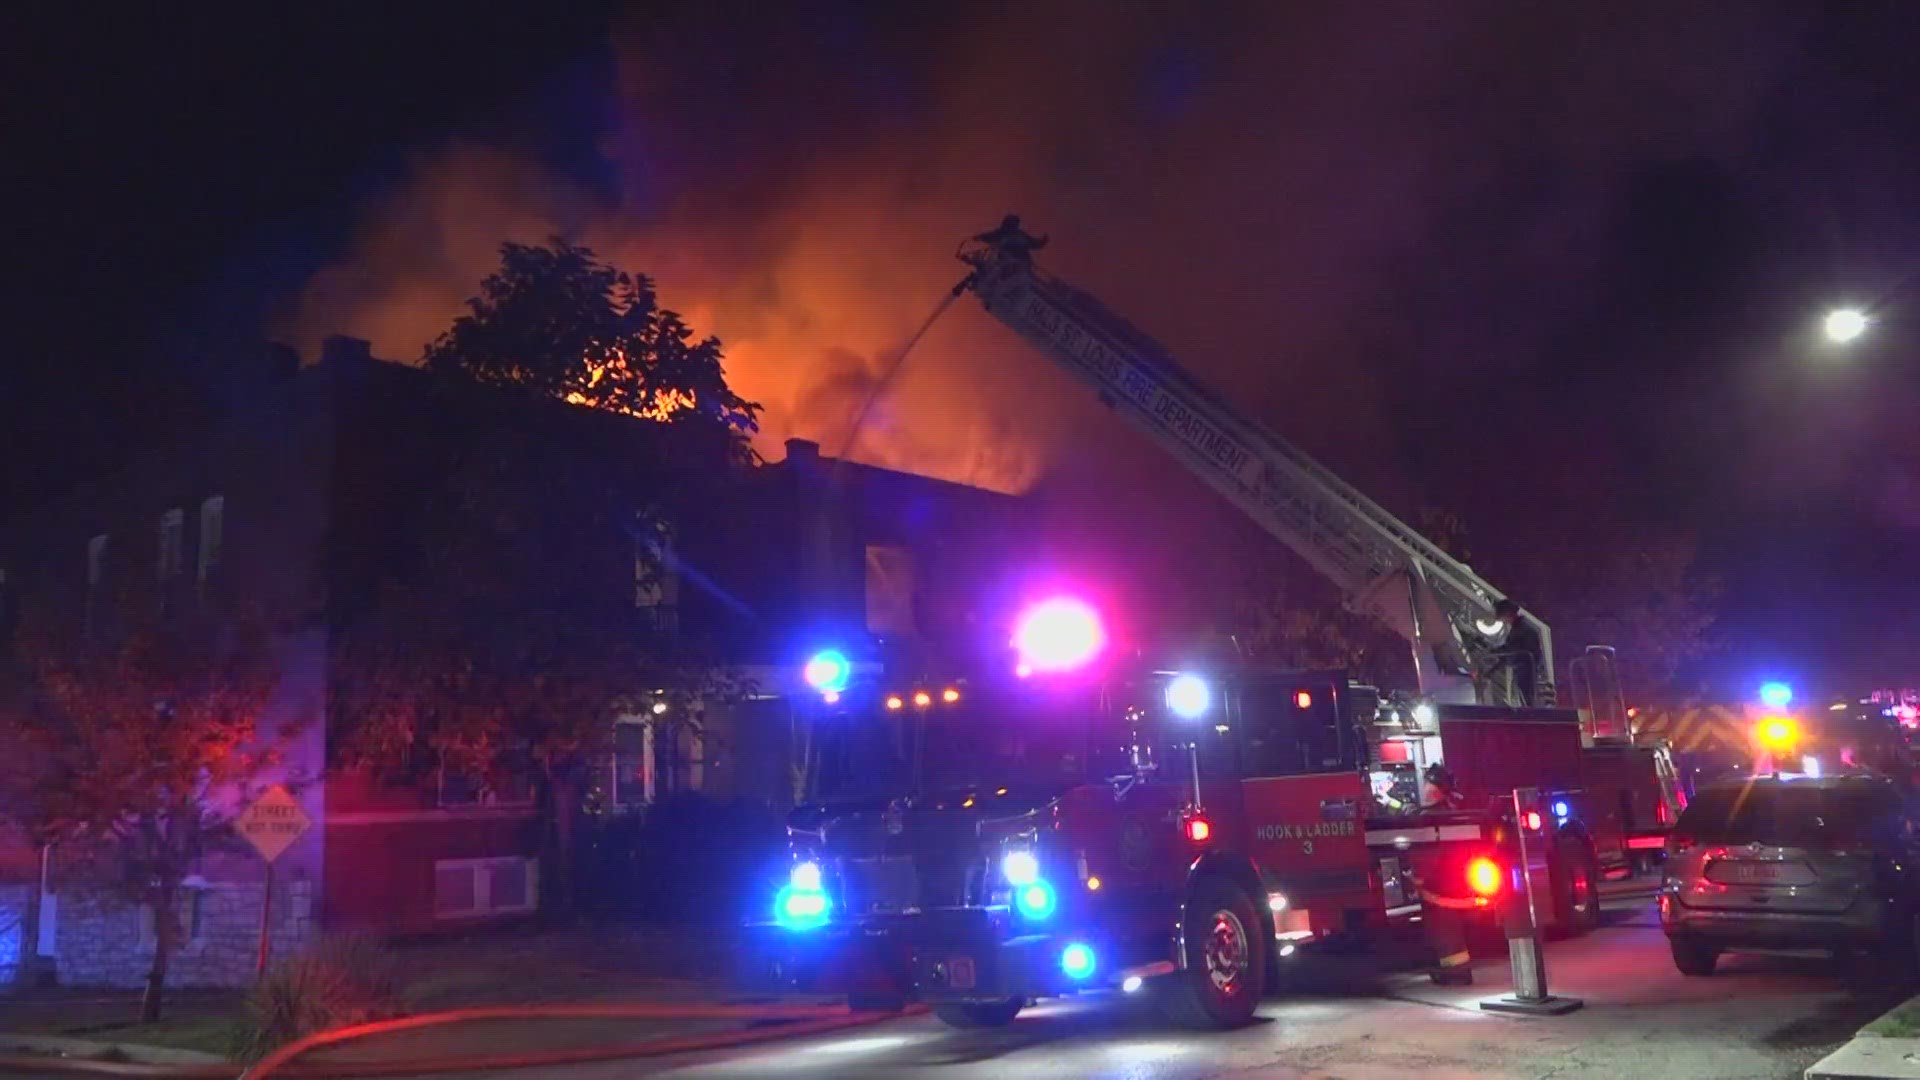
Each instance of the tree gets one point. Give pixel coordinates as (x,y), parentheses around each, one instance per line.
(1300,624)
(1640,592)
(141,750)
(558,321)
(491,630)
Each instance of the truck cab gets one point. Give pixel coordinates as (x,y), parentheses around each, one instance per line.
(982,843)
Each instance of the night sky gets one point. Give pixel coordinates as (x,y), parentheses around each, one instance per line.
(1530,262)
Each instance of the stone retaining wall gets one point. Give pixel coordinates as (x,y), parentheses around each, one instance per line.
(13,929)
(106,941)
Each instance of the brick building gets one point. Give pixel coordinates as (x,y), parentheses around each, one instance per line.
(312,501)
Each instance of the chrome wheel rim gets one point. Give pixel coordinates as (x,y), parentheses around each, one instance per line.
(1227,953)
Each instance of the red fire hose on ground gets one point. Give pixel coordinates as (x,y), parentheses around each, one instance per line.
(788,1021)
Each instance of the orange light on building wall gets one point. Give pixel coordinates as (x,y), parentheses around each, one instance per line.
(950,695)
(922,699)
(894,701)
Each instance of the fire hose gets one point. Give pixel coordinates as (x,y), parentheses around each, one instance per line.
(790,1020)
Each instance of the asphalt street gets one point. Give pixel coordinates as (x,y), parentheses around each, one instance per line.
(1761,1017)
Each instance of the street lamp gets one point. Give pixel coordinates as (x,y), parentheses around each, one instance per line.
(1844,325)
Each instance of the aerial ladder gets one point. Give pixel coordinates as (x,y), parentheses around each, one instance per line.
(1381,565)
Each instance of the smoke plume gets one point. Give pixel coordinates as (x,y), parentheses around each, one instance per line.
(1311,203)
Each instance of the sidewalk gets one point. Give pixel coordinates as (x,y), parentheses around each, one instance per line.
(661,969)
(1888,1047)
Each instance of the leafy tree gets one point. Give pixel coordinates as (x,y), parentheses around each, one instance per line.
(138,753)
(1299,624)
(492,630)
(1641,593)
(558,321)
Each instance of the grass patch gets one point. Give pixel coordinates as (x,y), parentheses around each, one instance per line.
(1900,1022)
(210,1034)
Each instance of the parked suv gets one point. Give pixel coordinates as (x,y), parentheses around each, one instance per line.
(1791,862)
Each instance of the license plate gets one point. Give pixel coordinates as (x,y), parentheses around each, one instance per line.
(1757,872)
(960,972)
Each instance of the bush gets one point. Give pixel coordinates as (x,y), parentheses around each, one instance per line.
(340,980)
(690,859)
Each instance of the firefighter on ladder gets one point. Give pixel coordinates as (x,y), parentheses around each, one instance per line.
(1444,917)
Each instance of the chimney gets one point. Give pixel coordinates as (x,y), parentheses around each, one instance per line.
(802,451)
(340,349)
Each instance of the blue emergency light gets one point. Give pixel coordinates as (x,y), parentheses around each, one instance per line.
(828,671)
(1776,695)
(1077,960)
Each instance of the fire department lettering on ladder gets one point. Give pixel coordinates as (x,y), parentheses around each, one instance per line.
(1137,386)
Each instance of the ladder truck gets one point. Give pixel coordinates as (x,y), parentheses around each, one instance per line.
(982,839)
(1605,796)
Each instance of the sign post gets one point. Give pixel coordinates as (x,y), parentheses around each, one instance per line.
(1531,824)
(271,824)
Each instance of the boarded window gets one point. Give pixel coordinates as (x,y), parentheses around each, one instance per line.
(96,574)
(173,544)
(632,762)
(656,574)
(890,589)
(470,888)
(455,891)
(212,538)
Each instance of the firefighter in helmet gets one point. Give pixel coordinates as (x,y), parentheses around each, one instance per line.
(1438,790)
(1519,653)
(1011,241)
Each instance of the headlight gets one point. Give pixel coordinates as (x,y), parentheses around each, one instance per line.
(805,877)
(1188,696)
(1020,868)
(1035,901)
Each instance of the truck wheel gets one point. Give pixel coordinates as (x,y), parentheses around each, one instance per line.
(1576,888)
(1694,959)
(1226,960)
(991,1014)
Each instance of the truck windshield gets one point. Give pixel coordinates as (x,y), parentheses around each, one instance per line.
(989,744)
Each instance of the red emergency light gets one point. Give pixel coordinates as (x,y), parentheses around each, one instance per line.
(1532,821)
(1483,876)
(1302,699)
(1199,830)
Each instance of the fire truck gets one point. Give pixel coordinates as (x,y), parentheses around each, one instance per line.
(1182,826)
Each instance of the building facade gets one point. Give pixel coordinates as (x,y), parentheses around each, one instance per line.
(359,501)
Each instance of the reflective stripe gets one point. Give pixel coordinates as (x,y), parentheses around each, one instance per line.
(1423,834)
(1455,959)
(1418,835)
(1450,903)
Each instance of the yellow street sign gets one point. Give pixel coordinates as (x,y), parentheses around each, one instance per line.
(273,822)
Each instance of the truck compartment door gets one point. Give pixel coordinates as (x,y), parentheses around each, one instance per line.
(1308,835)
